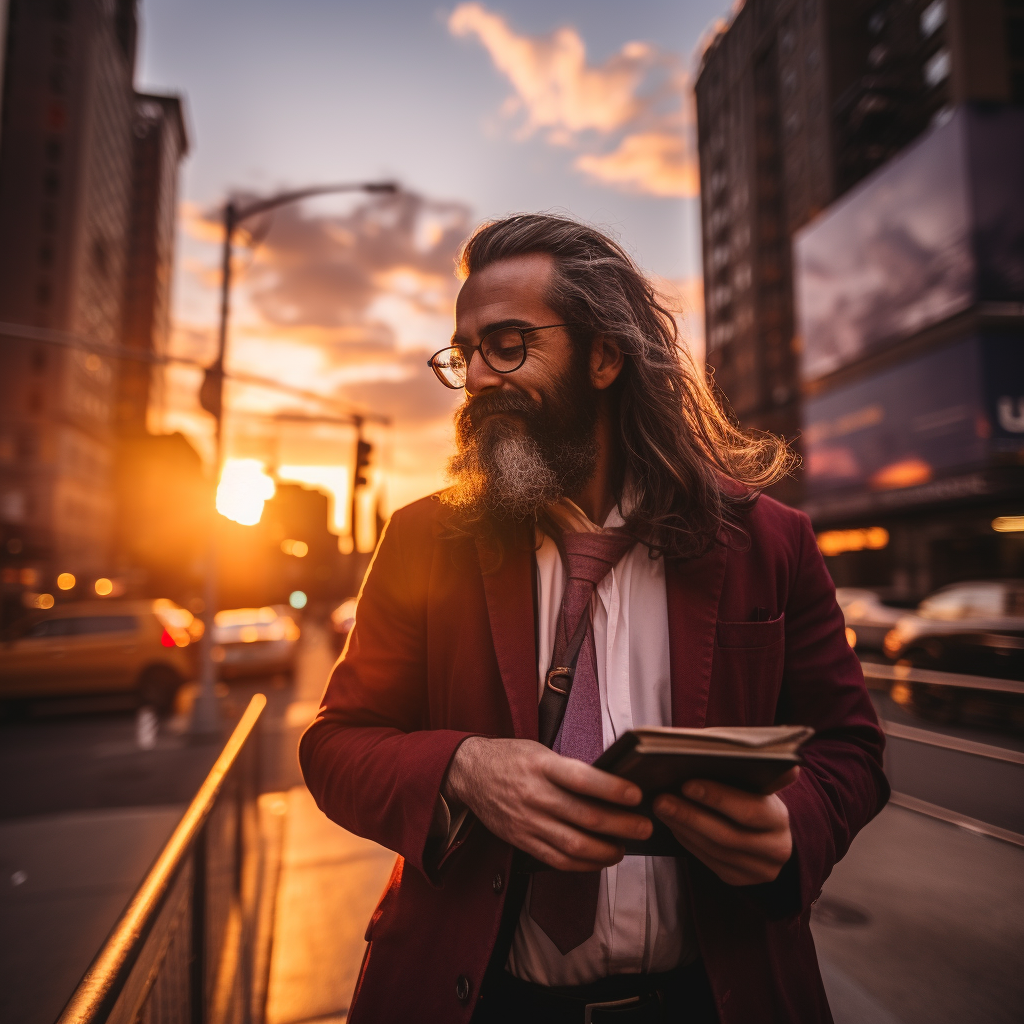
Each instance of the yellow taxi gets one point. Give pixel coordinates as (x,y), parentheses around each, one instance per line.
(101,647)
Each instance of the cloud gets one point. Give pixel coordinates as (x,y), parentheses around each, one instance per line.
(348,305)
(632,115)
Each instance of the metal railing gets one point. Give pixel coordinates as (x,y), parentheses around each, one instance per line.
(183,950)
(907,684)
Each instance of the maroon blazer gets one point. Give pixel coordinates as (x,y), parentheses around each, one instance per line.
(440,652)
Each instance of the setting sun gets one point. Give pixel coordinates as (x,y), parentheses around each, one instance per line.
(243,489)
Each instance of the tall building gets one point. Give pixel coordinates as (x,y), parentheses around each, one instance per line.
(65,185)
(159,144)
(88,182)
(910,304)
(797,101)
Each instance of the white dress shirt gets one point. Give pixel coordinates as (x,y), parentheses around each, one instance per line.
(641,925)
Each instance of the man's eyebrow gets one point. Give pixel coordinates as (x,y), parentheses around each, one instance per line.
(496,326)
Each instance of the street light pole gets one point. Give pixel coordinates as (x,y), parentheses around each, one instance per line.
(205,713)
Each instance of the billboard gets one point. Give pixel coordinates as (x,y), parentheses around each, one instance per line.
(950,411)
(935,230)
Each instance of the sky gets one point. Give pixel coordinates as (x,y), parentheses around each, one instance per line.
(477,110)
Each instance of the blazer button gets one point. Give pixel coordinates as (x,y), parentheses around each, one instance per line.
(462,988)
(498,883)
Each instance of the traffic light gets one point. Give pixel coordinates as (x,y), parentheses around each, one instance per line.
(363,451)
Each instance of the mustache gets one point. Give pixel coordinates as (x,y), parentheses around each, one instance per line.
(492,402)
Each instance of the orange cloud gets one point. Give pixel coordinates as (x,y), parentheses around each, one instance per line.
(639,99)
(656,162)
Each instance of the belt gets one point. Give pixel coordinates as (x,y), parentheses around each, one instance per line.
(682,995)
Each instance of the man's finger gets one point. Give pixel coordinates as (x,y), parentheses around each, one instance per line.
(747,809)
(579,847)
(592,816)
(587,780)
(705,831)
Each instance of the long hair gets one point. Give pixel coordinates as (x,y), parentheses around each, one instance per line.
(691,470)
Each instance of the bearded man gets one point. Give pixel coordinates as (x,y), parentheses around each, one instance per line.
(596,482)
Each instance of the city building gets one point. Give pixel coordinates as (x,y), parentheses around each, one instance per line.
(910,307)
(65,188)
(797,101)
(159,144)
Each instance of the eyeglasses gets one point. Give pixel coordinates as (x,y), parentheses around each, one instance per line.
(503,351)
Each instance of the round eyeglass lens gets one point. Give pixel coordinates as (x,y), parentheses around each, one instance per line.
(451,365)
(504,350)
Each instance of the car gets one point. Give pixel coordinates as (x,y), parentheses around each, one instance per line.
(88,648)
(343,618)
(974,628)
(254,641)
(868,620)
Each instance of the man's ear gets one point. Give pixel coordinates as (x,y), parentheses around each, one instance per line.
(606,361)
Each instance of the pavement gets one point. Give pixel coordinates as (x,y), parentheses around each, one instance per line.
(923,923)
(64,880)
(329,884)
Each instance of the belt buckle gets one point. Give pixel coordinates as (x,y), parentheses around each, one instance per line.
(620,1003)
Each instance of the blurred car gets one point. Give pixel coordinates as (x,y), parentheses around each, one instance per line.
(975,628)
(868,620)
(101,647)
(343,618)
(254,641)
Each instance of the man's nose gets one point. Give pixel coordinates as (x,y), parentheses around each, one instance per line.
(479,376)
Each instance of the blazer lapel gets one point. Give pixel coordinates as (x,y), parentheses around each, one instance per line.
(693,590)
(509,594)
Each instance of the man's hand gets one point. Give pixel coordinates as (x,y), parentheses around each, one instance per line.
(545,804)
(743,837)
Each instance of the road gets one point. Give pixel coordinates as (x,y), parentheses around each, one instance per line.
(923,921)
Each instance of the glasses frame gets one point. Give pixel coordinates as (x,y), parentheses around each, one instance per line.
(468,350)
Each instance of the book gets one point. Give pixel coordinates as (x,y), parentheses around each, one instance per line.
(661,760)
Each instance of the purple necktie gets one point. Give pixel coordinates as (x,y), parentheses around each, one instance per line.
(564,903)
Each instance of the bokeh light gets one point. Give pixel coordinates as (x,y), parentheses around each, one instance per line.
(65,581)
(243,489)
(103,587)
(297,599)
(296,548)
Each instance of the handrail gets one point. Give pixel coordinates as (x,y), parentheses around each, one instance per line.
(909,674)
(106,977)
(946,742)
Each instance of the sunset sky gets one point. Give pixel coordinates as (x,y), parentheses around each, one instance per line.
(478,110)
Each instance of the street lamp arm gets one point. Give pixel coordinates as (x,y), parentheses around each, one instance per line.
(380,187)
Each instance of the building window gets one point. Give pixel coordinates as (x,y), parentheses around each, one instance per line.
(936,69)
(932,18)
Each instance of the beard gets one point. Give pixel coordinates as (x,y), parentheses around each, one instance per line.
(508,467)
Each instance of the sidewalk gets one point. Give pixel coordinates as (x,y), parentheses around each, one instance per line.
(329,884)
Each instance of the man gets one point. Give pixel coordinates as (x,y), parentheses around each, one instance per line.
(595,482)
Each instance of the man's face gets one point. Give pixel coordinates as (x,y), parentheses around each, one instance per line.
(524,438)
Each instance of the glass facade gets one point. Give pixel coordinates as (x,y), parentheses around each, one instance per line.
(953,410)
(936,230)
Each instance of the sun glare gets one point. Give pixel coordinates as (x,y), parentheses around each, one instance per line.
(243,489)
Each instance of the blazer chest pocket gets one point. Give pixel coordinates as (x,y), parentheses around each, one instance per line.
(747,670)
(751,634)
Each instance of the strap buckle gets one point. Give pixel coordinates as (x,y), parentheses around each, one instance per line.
(614,1005)
(559,673)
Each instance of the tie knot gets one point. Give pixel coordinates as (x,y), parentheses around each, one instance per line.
(590,556)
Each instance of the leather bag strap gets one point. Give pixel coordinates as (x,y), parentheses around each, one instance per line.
(558,685)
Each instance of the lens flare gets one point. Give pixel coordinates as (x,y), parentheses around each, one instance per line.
(244,487)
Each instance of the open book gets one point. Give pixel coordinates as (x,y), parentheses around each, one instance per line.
(660,760)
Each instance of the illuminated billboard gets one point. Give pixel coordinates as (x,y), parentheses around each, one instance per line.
(934,231)
(953,410)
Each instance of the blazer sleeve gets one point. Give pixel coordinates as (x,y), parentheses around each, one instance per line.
(369,758)
(842,785)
